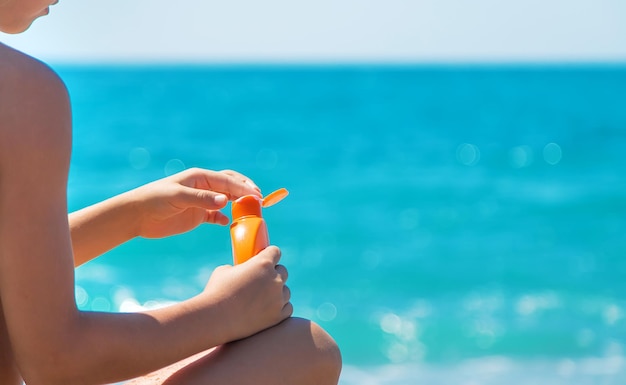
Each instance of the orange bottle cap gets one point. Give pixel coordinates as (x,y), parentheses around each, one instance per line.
(247,205)
(250,205)
(272,198)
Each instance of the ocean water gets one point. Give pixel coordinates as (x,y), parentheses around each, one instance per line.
(447,225)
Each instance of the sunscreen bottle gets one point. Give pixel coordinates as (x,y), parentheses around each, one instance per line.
(248,232)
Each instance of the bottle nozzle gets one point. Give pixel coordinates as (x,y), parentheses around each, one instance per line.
(245,206)
(251,204)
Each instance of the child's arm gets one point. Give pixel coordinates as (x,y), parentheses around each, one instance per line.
(52,341)
(166,207)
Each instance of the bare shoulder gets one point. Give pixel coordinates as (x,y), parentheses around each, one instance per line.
(35,116)
(23,74)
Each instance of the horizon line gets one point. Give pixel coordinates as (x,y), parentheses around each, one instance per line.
(340,63)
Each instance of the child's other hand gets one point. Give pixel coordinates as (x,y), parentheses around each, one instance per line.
(181,202)
(252,296)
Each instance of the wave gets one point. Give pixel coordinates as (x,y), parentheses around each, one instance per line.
(494,370)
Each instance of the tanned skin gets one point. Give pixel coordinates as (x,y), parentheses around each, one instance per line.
(238,330)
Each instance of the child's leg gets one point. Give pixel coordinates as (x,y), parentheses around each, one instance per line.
(295,351)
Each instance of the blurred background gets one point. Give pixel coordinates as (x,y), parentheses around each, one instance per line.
(456,168)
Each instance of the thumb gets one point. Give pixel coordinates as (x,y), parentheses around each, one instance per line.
(190,197)
(271,253)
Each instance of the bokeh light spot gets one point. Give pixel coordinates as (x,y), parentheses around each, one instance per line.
(468,154)
(521,156)
(612,314)
(552,153)
(327,312)
(100,304)
(391,323)
(139,158)
(81,296)
(173,166)
(398,353)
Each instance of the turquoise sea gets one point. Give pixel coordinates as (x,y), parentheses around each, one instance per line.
(446,224)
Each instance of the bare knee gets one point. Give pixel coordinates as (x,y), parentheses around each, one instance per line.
(330,354)
(296,351)
(324,356)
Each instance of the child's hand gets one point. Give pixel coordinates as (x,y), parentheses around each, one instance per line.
(181,202)
(169,206)
(252,296)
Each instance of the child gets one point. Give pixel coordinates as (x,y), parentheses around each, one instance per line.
(239,330)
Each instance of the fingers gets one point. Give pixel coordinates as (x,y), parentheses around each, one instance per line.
(216,217)
(210,190)
(282,271)
(286,294)
(273,254)
(287,310)
(237,177)
(227,182)
(190,197)
(266,268)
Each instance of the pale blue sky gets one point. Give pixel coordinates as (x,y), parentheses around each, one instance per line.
(329,31)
